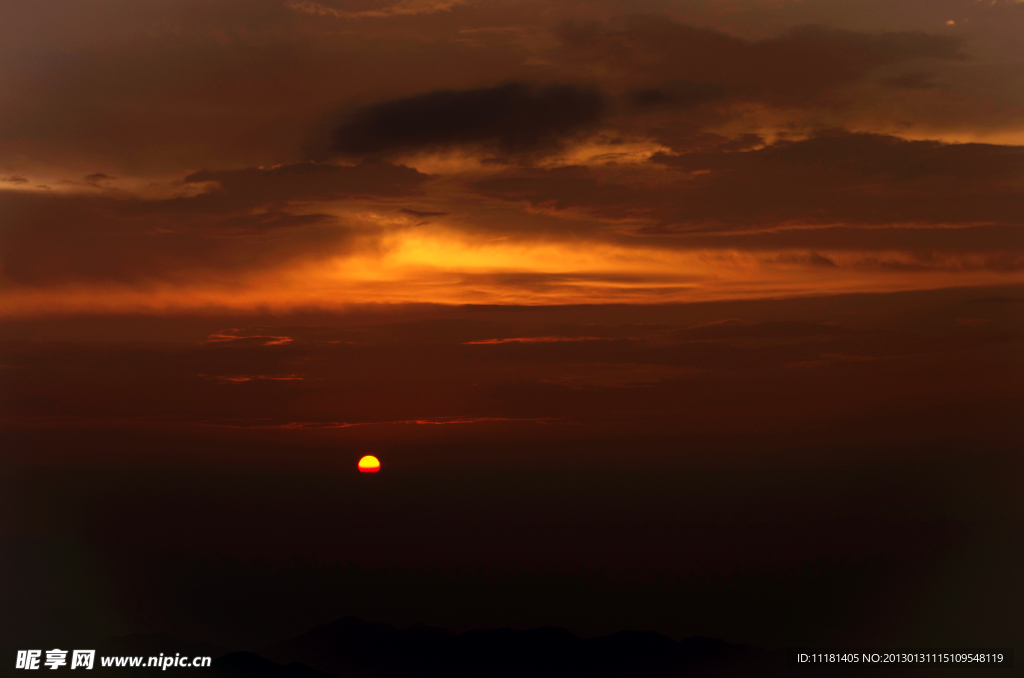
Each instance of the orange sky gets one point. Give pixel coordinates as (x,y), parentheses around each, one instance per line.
(296,155)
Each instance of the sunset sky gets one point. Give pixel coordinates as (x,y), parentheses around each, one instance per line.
(176,156)
(629,299)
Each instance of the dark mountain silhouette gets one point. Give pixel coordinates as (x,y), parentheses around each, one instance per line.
(349,648)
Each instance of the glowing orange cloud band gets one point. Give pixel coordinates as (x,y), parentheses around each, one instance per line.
(445,267)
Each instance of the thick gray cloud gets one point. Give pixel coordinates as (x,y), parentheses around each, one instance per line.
(509,118)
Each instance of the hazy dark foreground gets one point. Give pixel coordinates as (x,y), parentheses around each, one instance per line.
(350,648)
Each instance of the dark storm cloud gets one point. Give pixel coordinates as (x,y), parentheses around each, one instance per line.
(676,95)
(510,118)
(243,223)
(794,68)
(833,178)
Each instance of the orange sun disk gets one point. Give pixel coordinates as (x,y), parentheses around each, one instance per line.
(369,464)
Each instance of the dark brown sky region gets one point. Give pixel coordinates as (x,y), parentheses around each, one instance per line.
(704,317)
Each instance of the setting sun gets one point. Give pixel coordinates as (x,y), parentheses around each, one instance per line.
(369,464)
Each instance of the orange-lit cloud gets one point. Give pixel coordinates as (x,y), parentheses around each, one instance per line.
(586,157)
(530,340)
(237,335)
(436,421)
(418,267)
(243,378)
(402,8)
(241,334)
